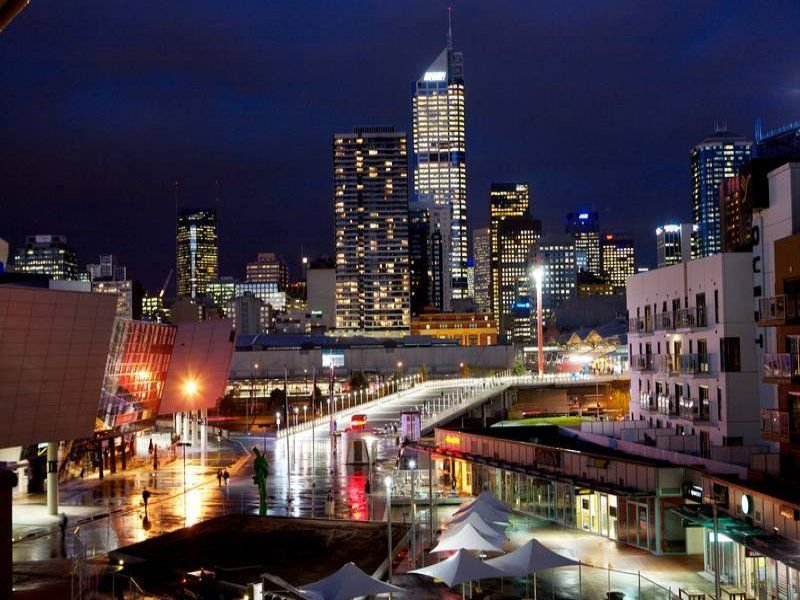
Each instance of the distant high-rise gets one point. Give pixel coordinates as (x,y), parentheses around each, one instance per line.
(419,236)
(713,160)
(619,260)
(49,255)
(370,180)
(516,237)
(555,253)
(197,251)
(107,269)
(482,250)
(675,243)
(505,200)
(3,254)
(268,267)
(584,227)
(440,172)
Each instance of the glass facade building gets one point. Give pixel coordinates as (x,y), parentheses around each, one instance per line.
(439,163)
(618,260)
(556,255)
(371,221)
(197,251)
(712,161)
(675,243)
(517,235)
(584,227)
(48,255)
(268,267)
(482,250)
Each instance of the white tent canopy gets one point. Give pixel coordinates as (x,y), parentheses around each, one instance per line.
(459,568)
(486,512)
(468,538)
(529,558)
(348,582)
(488,530)
(489,499)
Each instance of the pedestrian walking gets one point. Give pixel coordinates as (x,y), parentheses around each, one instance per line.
(145,498)
(219,477)
(226,476)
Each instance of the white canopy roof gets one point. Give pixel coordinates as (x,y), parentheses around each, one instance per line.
(489,499)
(529,558)
(486,512)
(491,531)
(348,582)
(459,568)
(468,538)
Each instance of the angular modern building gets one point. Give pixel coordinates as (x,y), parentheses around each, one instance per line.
(439,158)
(430,280)
(675,243)
(197,251)
(618,260)
(505,200)
(482,251)
(371,220)
(48,255)
(556,255)
(712,161)
(584,227)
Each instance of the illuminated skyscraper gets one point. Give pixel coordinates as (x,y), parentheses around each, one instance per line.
(555,253)
(49,255)
(482,249)
(675,243)
(713,160)
(619,260)
(440,173)
(517,236)
(197,251)
(370,180)
(505,200)
(268,267)
(584,227)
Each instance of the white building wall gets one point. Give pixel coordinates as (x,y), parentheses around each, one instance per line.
(730,276)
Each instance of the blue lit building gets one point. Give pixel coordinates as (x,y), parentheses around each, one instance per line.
(712,161)
(584,227)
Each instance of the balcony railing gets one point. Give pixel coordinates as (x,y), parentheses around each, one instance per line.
(668,363)
(778,310)
(692,410)
(781,366)
(647,402)
(690,318)
(640,325)
(665,321)
(695,364)
(775,425)
(667,405)
(642,362)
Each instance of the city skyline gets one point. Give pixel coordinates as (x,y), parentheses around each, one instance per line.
(98,117)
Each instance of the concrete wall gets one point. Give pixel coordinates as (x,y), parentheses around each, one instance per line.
(322,294)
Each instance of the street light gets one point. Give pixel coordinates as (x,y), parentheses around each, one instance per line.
(305,408)
(388,482)
(412,464)
(296,411)
(278,421)
(538,275)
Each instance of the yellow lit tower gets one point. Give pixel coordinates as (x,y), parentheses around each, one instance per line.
(440,170)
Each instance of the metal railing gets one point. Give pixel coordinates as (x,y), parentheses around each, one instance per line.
(690,318)
(781,365)
(642,362)
(665,321)
(695,364)
(668,363)
(775,423)
(779,309)
(692,410)
(648,402)
(667,405)
(640,325)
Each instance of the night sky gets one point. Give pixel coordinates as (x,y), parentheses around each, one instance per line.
(104,105)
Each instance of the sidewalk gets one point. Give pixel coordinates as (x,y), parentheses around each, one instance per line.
(89,498)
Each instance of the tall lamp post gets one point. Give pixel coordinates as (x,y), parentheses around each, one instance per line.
(538,276)
(412,465)
(389,482)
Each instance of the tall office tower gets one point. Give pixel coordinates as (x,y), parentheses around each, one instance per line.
(713,160)
(49,255)
(107,269)
(418,252)
(370,184)
(675,243)
(619,260)
(584,227)
(440,172)
(516,237)
(268,267)
(482,249)
(555,253)
(197,251)
(505,200)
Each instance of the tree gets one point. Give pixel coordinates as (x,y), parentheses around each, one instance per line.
(358,381)
(424,373)
(227,404)
(519,368)
(276,399)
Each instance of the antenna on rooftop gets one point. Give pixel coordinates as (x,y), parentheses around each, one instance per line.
(449,28)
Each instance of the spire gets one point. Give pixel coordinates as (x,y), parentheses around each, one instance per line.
(449,28)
